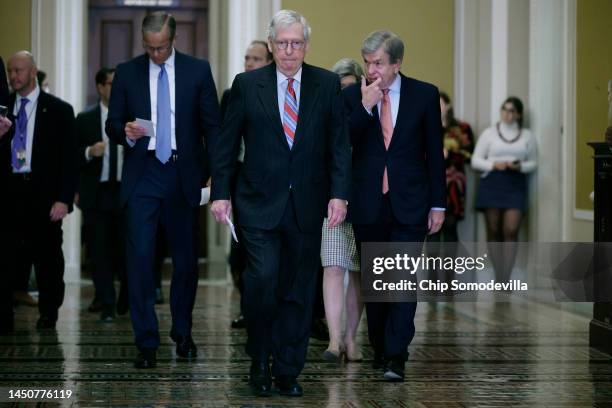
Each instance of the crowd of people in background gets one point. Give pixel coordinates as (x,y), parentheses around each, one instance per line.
(308,163)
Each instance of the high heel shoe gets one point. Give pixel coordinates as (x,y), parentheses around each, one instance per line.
(333,355)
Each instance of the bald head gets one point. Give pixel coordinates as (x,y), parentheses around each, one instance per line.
(21,69)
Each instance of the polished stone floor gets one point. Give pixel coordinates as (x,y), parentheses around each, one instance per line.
(519,354)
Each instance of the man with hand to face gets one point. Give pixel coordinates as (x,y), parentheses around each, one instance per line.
(163,174)
(295,171)
(398,191)
(39,162)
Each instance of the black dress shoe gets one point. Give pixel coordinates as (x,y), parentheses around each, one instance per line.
(318,330)
(185,347)
(95,306)
(45,323)
(146,358)
(239,322)
(287,385)
(108,313)
(394,370)
(260,378)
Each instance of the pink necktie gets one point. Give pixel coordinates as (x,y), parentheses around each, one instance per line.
(387,129)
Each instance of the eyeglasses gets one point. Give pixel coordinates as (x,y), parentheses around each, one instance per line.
(159,50)
(296,45)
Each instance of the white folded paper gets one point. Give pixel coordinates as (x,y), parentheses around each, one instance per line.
(231,227)
(147,125)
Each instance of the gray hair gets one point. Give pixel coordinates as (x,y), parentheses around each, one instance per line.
(346,67)
(155,22)
(286,18)
(391,43)
(27,55)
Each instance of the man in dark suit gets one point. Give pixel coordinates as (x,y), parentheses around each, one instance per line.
(398,191)
(163,174)
(256,56)
(7,319)
(295,171)
(100,180)
(38,164)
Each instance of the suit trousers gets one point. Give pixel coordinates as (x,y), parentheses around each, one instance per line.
(34,235)
(158,197)
(390,325)
(105,237)
(279,290)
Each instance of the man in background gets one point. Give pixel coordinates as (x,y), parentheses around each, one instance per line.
(99,185)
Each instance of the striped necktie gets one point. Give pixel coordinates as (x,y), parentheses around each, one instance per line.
(290,113)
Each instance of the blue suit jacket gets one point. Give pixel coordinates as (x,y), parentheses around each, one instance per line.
(414,160)
(196,117)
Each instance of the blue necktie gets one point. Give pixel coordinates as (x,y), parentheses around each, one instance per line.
(163,146)
(21,136)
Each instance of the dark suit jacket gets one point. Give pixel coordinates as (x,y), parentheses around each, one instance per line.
(89,132)
(196,118)
(54,160)
(415,159)
(317,167)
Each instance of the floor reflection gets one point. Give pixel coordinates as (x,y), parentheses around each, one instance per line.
(464,354)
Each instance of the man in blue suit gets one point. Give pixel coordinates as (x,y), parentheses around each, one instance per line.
(163,174)
(398,188)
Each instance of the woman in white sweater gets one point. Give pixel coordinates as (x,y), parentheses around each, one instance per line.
(504,153)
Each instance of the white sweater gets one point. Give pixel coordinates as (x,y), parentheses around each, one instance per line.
(490,148)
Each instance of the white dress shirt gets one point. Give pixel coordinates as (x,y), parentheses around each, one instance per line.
(154,70)
(281,84)
(106,158)
(30,111)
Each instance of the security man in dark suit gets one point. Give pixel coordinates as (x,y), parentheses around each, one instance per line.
(295,171)
(99,185)
(38,163)
(398,190)
(163,174)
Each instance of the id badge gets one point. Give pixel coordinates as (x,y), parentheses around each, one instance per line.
(21,157)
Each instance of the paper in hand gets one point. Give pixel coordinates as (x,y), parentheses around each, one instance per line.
(147,125)
(205,196)
(231,227)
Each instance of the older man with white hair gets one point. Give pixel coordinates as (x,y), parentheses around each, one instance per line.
(295,171)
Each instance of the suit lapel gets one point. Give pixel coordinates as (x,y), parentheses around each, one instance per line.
(268,97)
(144,85)
(39,125)
(381,137)
(180,84)
(97,127)
(308,98)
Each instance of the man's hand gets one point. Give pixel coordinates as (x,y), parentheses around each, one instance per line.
(5,125)
(97,149)
(370,94)
(434,221)
(221,209)
(58,211)
(336,212)
(134,131)
(501,166)
(516,166)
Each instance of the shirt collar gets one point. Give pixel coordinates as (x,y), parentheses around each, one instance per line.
(280,77)
(32,96)
(168,63)
(103,109)
(396,84)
